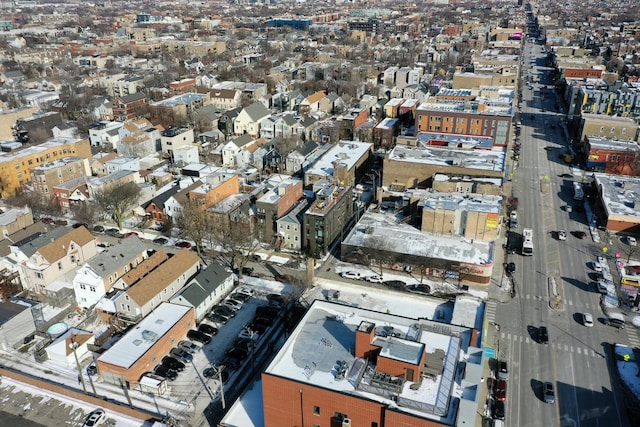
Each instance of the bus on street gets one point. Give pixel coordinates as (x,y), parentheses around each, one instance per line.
(527,242)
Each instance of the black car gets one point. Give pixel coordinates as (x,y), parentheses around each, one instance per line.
(98,229)
(543,335)
(275,298)
(212,373)
(217,318)
(113,232)
(243,344)
(199,336)
(264,321)
(616,323)
(498,410)
(396,284)
(231,363)
(510,267)
(224,310)
(173,363)
(237,353)
(92,369)
(161,241)
(240,297)
(166,372)
(256,327)
(208,329)
(268,312)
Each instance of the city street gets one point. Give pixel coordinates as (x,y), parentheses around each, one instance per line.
(577,359)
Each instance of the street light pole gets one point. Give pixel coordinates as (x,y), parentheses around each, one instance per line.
(219,370)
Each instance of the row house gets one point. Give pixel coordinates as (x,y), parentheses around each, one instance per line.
(98,167)
(155,208)
(97,276)
(72,193)
(47,257)
(140,144)
(278,126)
(116,179)
(239,152)
(154,281)
(121,85)
(181,87)
(299,160)
(44,178)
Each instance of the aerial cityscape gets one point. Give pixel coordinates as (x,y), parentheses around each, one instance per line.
(320,214)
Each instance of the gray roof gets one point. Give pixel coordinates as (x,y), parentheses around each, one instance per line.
(257,111)
(117,256)
(243,140)
(33,243)
(132,97)
(289,119)
(204,283)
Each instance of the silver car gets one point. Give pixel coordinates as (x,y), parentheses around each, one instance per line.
(549,393)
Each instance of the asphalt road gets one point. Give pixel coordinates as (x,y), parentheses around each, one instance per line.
(577,359)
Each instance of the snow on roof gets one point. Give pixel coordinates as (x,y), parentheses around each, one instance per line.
(344,152)
(142,337)
(469,202)
(491,160)
(620,195)
(405,239)
(327,334)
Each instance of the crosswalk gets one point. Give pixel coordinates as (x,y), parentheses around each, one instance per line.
(584,307)
(490,311)
(509,340)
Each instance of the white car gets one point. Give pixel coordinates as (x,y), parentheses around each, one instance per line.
(232,304)
(514,215)
(189,346)
(562,235)
(631,241)
(95,418)
(350,275)
(587,320)
(597,266)
(374,279)
(600,259)
(245,290)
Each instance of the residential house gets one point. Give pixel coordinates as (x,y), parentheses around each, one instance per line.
(181,87)
(249,119)
(289,227)
(122,164)
(283,194)
(106,134)
(226,99)
(65,130)
(45,177)
(174,138)
(140,144)
(307,129)
(327,217)
(97,276)
(175,110)
(101,109)
(17,322)
(98,167)
(103,183)
(312,103)
(215,188)
(130,106)
(120,85)
(233,214)
(207,288)
(175,204)
(153,282)
(71,346)
(278,126)
(207,118)
(227,120)
(155,208)
(72,193)
(45,257)
(301,158)
(345,163)
(232,155)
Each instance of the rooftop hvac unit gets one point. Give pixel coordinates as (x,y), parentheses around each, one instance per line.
(346,422)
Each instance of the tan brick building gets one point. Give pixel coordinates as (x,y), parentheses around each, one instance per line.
(44,178)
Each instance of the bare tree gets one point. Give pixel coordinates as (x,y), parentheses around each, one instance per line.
(117,201)
(195,223)
(86,212)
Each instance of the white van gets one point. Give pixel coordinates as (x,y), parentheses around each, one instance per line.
(587,320)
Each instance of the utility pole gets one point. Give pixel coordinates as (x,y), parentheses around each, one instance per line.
(219,370)
(73,346)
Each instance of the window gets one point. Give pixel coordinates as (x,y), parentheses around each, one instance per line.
(83,286)
(39,275)
(316,410)
(126,297)
(92,288)
(60,265)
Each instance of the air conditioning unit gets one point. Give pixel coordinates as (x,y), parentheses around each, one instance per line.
(346,422)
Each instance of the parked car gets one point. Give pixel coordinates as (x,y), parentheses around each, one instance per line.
(161,241)
(199,336)
(217,318)
(173,363)
(231,363)
(580,234)
(503,370)
(245,290)
(208,329)
(181,355)
(602,287)
(549,393)
(98,228)
(183,244)
(269,312)
(239,297)
(213,373)
(166,372)
(245,334)
(131,233)
(114,232)
(562,235)
(510,267)
(95,418)
(396,284)
(92,369)
(189,346)
(498,409)
(419,289)
(374,278)
(284,278)
(264,321)
(543,335)
(354,275)
(237,353)
(631,241)
(275,299)
(501,390)
(597,266)
(224,310)
(616,323)
(232,304)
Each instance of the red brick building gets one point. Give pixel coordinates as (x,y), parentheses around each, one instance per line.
(130,106)
(612,156)
(340,369)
